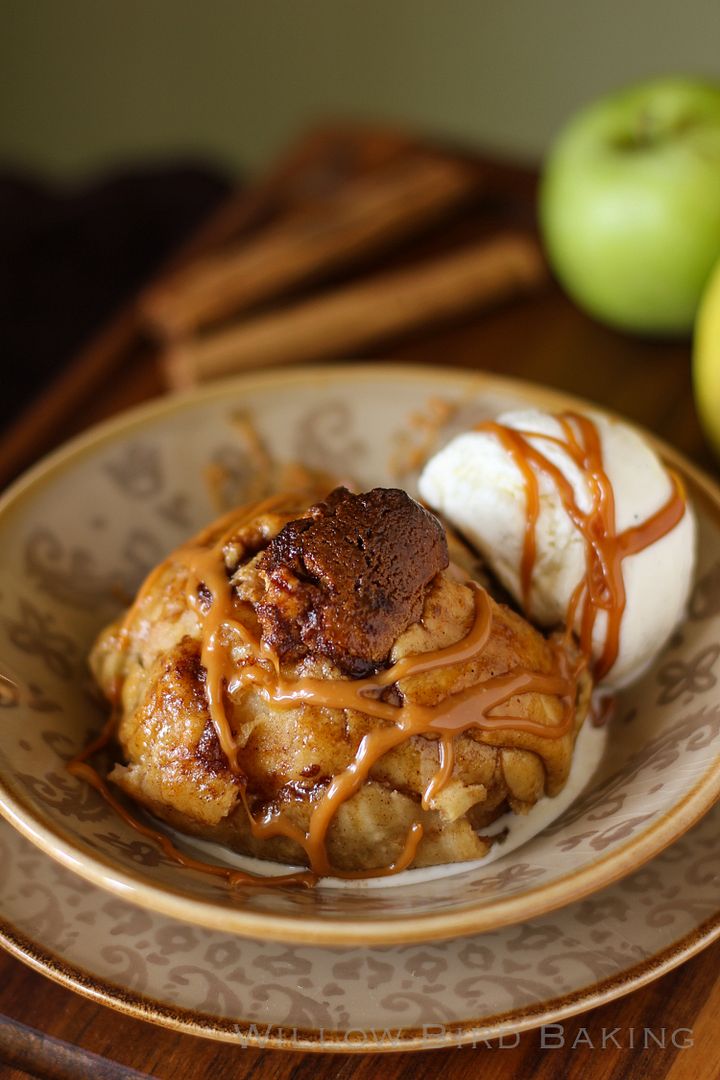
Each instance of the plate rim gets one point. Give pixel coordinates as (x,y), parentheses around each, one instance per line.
(299,928)
(305,1040)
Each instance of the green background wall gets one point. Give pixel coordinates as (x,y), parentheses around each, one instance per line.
(87,83)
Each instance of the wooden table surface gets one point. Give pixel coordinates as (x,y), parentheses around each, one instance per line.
(544,339)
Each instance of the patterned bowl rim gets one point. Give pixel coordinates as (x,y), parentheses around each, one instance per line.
(302,928)
(325,1040)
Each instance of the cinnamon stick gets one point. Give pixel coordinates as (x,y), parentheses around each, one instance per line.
(367,215)
(361,314)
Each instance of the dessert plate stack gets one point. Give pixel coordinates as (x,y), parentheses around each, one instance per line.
(617,889)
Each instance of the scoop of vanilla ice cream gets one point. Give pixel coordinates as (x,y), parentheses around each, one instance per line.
(476,485)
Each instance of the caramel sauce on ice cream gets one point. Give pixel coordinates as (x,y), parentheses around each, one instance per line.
(602,587)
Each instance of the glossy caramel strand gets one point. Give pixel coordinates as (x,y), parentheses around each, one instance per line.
(460,712)
(207,564)
(81,767)
(602,587)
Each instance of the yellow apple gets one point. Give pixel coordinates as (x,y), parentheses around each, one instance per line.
(706,360)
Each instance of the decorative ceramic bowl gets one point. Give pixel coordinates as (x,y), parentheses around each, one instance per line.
(91,520)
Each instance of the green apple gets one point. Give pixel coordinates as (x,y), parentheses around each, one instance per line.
(706,359)
(630,204)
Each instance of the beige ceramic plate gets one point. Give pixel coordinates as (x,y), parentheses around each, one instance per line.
(402,997)
(99,513)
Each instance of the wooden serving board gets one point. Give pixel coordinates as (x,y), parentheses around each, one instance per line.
(542,338)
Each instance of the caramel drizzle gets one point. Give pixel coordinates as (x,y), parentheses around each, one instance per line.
(472,708)
(603,587)
(207,565)
(80,766)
